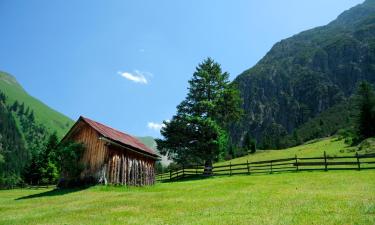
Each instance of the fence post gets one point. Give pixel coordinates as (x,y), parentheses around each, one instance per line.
(248,169)
(325,161)
(230,168)
(183,171)
(170,175)
(196,169)
(271,167)
(358,162)
(296,162)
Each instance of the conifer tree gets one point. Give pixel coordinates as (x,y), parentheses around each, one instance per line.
(249,144)
(366,107)
(197,133)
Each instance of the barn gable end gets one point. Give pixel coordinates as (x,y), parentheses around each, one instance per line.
(112,156)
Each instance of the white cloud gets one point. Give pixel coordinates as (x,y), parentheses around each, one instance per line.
(155,126)
(137,76)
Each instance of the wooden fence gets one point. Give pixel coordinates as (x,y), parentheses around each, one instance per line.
(295,164)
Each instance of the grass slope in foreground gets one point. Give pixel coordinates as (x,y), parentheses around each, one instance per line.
(340,197)
(50,118)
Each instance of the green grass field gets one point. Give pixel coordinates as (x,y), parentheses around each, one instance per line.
(333,197)
(332,145)
(343,197)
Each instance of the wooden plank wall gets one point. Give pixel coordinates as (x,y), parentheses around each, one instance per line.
(128,168)
(95,153)
(110,164)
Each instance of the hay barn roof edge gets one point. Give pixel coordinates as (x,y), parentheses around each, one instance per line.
(116,136)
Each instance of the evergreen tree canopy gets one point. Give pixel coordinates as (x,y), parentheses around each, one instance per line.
(197,132)
(366,107)
(249,144)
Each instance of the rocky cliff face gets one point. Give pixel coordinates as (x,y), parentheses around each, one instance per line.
(303,76)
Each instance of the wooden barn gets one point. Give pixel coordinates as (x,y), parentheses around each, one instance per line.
(111,156)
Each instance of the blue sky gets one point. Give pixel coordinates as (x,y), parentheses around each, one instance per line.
(127,63)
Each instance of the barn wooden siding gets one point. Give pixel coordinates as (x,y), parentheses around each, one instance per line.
(95,153)
(128,168)
(112,164)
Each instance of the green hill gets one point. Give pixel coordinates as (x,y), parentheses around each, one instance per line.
(305,75)
(330,198)
(151,143)
(333,146)
(51,119)
(148,141)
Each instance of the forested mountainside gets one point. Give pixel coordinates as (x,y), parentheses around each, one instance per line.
(303,77)
(25,125)
(20,138)
(13,154)
(51,119)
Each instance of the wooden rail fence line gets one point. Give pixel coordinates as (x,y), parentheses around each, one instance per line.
(295,164)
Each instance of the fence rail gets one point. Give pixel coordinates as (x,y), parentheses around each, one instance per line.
(295,164)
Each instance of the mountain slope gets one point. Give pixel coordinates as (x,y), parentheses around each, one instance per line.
(151,143)
(51,119)
(303,76)
(13,154)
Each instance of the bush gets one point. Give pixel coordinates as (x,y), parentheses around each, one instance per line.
(10,181)
(69,156)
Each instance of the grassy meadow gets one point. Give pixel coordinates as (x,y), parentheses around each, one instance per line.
(340,197)
(333,146)
(333,197)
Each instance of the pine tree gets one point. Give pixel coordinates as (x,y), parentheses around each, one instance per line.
(50,152)
(27,111)
(43,168)
(14,107)
(21,109)
(31,116)
(1,151)
(197,133)
(2,97)
(249,144)
(366,107)
(48,160)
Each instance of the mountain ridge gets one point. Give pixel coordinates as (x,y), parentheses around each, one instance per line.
(50,118)
(306,74)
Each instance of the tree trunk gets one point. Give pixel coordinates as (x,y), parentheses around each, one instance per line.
(208,168)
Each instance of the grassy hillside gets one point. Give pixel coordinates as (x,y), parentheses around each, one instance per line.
(294,198)
(332,145)
(50,118)
(151,143)
(286,198)
(148,141)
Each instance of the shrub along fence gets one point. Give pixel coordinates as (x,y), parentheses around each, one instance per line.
(295,164)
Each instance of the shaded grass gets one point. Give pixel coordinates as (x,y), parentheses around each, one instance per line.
(337,197)
(52,192)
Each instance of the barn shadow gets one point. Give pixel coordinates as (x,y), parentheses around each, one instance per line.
(54,192)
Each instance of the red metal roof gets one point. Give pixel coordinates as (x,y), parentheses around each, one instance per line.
(118,136)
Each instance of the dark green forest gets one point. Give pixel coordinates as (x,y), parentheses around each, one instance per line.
(29,153)
(302,88)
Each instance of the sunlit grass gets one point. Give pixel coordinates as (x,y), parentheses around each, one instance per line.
(332,145)
(343,197)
